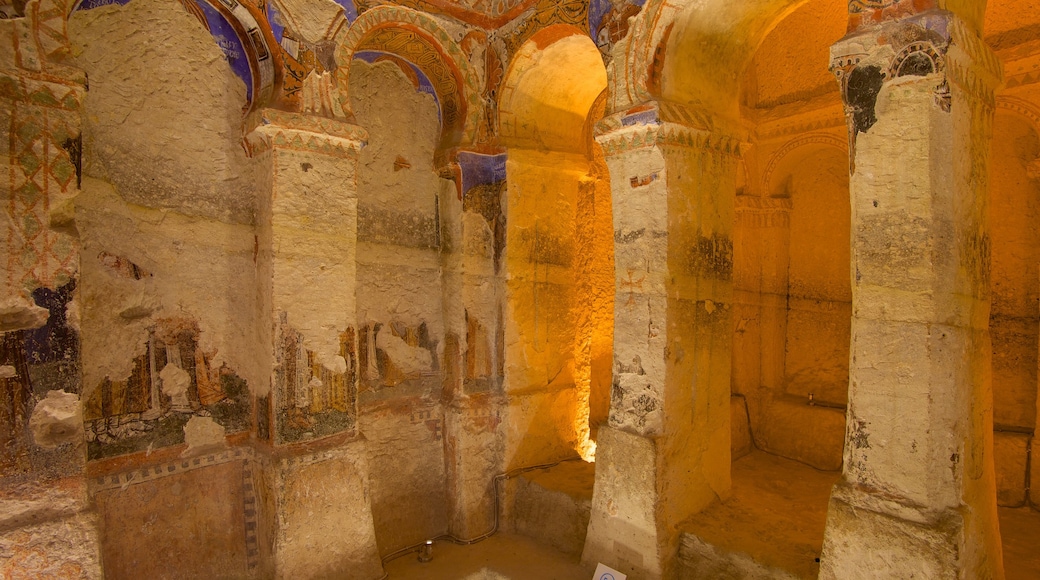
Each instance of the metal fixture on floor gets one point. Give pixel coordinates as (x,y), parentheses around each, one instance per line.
(426,552)
(428,544)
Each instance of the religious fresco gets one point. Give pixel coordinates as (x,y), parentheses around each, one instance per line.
(481,181)
(39,342)
(396,353)
(313,401)
(486,14)
(299,57)
(173,381)
(608,21)
(33,362)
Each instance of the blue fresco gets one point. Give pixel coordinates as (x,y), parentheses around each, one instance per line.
(597,10)
(349,10)
(641,118)
(228,42)
(480,169)
(88,4)
(274,18)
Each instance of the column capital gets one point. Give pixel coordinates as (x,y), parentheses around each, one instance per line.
(922,44)
(303,132)
(763,212)
(665,124)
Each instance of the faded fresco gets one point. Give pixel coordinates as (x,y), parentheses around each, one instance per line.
(171,382)
(314,401)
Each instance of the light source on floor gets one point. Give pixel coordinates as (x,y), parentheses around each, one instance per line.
(426,551)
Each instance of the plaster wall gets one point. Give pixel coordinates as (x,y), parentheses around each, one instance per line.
(1014,317)
(187,525)
(544,421)
(791,259)
(164,114)
(400,305)
(819,294)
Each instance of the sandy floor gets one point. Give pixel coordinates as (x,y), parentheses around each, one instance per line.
(1020,532)
(776,514)
(500,557)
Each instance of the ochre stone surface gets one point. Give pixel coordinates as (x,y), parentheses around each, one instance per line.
(290,287)
(187,525)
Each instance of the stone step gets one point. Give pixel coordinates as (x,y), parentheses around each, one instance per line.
(552,505)
(770,527)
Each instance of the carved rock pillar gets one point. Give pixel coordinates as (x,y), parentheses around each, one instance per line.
(762,242)
(665,453)
(48,523)
(473,383)
(314,492)
(917,497)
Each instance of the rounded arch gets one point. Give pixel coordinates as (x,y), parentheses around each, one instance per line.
(550,86)
(809,139)
(1026,109)
(701,59)
(242,33)
(420,41)
(693,52)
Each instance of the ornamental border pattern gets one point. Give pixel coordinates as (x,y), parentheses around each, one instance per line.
(667,135)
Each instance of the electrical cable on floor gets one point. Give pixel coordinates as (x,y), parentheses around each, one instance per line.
(494,528)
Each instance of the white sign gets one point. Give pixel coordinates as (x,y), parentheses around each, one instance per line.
(604,572)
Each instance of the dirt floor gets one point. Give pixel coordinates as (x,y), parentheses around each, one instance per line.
(500,557)
(1020,532)
(776,515)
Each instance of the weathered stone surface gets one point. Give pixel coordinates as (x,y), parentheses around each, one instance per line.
(740,442)
(188,524)
(57,420)
(163,126)
(918,474)
(1011,460)
(791,428)
(63,548)
(622,532)
(553,505)
(323,516)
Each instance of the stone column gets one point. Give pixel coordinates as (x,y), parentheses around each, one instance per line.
(917,498)
(473,383)
(762,242)
(316,515)
(1033,477)
(48,524)
(665,453)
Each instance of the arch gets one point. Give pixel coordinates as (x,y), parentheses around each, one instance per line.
(692,52)
(675,50)
(419,40)
(559,236)
(1023,107)
(825,139)
(242,34)
(542,103)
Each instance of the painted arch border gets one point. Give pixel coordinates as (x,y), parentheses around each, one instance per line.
(382,17)
(252,33)
(826,139)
